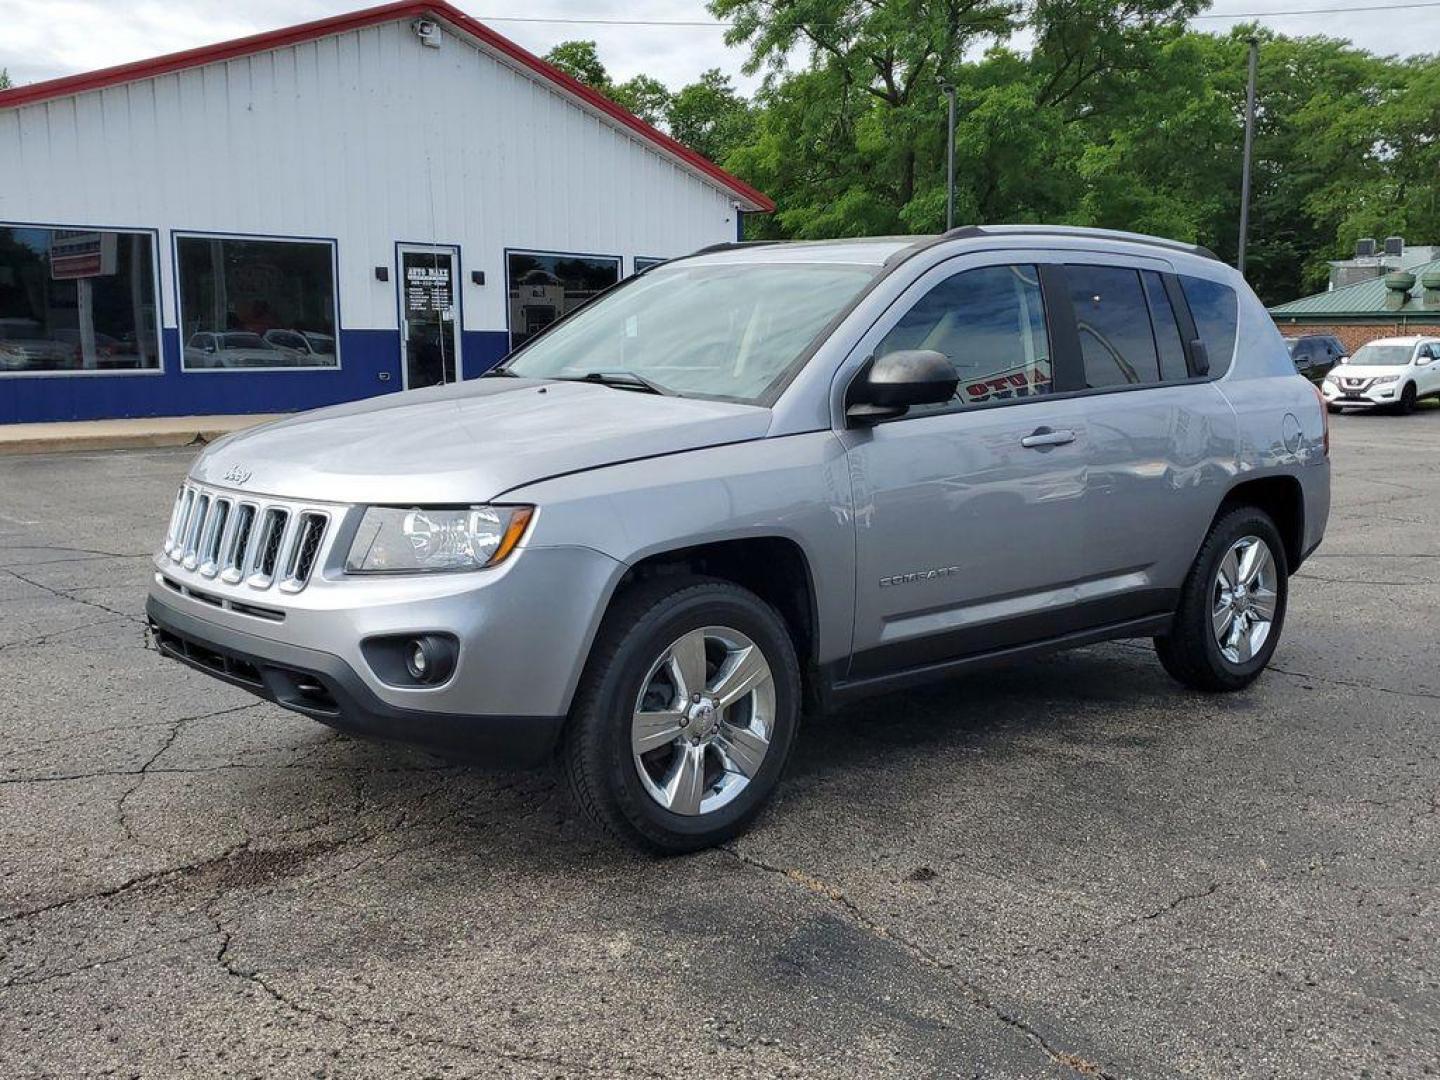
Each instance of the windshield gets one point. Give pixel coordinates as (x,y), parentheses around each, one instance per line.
(1381,356)
(729,332)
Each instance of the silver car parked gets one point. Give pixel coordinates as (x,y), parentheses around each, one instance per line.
(759,481)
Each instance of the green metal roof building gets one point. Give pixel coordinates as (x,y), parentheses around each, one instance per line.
(1403,302)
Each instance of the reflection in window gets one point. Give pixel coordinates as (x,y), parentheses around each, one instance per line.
(1214,308)
(1116,342)
(1167,329)
(256,303)
(642,263)
(77,300)
(989,323)
(544,288)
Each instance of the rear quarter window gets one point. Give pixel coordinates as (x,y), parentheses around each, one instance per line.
(1214,307)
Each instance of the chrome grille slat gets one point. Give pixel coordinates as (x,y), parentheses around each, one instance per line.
(176,548)
(193,533)
(274,531)
(238,547)
(259,543)
(215,530)
(299,559)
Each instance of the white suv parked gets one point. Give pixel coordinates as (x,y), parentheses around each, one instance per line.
(1390,373)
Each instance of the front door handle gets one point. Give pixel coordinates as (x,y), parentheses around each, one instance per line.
(1044,437)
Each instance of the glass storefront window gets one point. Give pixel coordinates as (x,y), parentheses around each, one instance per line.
(256,303)
(642,263)
(544,288)
(77,300)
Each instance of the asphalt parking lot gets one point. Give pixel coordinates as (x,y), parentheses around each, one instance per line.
(1067,868)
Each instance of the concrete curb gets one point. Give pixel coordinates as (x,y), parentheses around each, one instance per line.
(148,433)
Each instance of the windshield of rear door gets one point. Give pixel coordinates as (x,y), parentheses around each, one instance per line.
(729,332)
(1381,356)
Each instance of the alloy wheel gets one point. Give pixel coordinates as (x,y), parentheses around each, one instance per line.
(703,721)
(1244,598)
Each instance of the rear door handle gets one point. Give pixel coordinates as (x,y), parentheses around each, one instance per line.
(1043,437)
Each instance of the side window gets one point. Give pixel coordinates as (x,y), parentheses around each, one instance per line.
(990,323)
(1113,321)
(1167,329)
(1214,308)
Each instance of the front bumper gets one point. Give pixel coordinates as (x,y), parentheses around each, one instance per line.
(326,688)
(1371,397)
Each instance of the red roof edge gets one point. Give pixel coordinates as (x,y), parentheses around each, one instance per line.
(229,50)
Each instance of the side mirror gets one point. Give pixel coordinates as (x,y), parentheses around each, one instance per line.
(888,385)
(1343,359)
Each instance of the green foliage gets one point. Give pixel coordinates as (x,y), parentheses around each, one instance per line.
(580,59)
(1116,116)
(5,83)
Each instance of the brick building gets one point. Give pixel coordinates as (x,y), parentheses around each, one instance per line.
(1400,303)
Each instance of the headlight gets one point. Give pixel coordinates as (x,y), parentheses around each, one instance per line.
(395,539)
(1386,379)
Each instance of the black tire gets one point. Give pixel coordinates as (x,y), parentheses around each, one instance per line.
(1407,400)
(1334,408)
(1190,652)
(596,755)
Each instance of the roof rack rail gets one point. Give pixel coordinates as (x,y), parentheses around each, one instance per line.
(730,245)
(970,232)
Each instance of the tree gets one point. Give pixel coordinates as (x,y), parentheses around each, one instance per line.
(5,83)
(709,116)
(644,96)
(580,60)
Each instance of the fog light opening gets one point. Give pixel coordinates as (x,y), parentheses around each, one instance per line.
(414,659)
(429,659)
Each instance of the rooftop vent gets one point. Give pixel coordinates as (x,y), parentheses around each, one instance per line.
(1365,249)
(1394,247)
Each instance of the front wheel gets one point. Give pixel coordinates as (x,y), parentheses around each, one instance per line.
(685,715)
(1333,409)
(1232,605)
(1407,400)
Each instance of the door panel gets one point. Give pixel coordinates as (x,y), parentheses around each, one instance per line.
(966,512)
(1159,459)
(965,538)
(429,328)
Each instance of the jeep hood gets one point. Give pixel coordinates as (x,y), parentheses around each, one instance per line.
(467,442)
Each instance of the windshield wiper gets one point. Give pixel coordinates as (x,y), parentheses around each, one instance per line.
(499,373)
(623,380)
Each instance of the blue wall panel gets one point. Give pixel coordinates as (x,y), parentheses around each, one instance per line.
(483,349)
(364,356)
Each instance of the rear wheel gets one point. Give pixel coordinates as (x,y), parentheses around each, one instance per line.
(685,715)
(1334,408)
(1232,606)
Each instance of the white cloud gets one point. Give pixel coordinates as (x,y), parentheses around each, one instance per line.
(43,39)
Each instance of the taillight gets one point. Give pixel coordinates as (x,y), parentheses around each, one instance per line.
(1324,418)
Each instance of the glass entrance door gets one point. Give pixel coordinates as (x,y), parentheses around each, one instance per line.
(429,326)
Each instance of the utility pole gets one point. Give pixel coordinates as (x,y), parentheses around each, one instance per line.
(948,89)
(1249,144)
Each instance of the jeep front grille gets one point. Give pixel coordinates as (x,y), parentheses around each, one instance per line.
(259,542)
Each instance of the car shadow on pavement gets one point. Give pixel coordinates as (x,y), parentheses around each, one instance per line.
(1097,700)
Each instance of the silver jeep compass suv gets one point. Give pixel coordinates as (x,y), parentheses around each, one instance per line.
(759,479)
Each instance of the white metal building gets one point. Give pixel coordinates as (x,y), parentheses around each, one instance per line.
(377,201)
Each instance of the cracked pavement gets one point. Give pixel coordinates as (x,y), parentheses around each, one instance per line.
(1067,868)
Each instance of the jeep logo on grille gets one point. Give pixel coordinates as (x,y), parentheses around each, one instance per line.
(237,474)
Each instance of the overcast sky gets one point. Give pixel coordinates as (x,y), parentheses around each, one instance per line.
(42,39)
